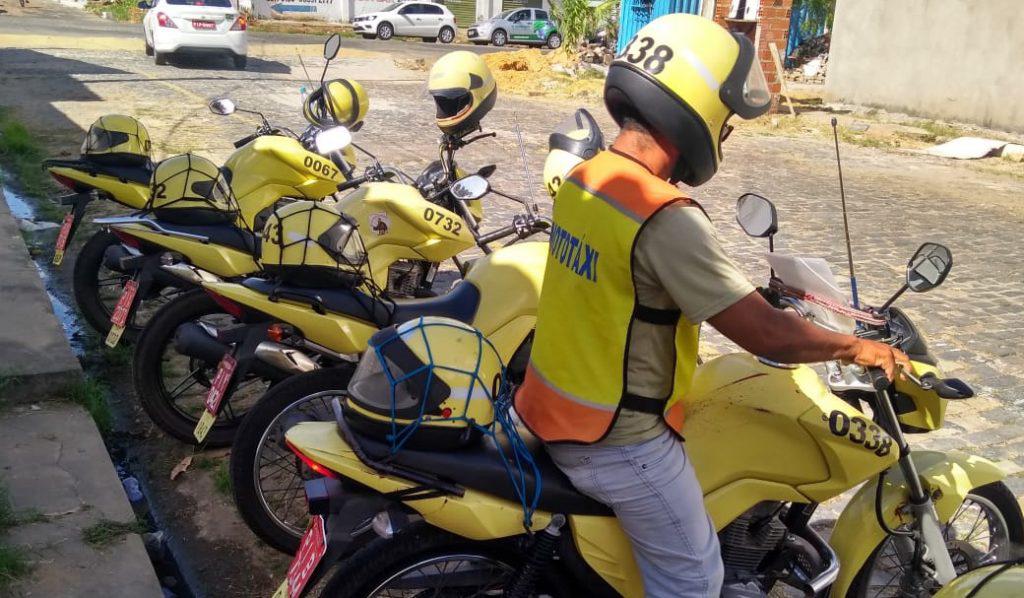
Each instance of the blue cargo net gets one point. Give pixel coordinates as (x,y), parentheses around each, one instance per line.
(518,461)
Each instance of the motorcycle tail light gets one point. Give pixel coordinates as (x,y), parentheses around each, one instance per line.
(68,182)
(316,467)
(240,24)
(279,332)
(165,21)
(127,239)
(227,305)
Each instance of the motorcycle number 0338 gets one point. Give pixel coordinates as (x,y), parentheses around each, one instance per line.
(119,318)
(312,548)
(218,388)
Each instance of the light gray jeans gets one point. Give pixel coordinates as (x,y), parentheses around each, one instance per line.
(654,492)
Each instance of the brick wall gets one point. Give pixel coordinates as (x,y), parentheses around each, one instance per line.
(772,26)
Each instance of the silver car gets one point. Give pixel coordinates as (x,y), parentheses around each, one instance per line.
(520,26)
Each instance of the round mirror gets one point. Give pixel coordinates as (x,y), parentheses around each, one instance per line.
(756,215)
(929,267)
(469,188)
(331,140)
(222,106)
(331,46)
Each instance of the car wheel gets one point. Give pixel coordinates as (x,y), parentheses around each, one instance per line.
(385,31)
(499,37)
(159,58)
(149,48)
(240,61)
(554,41)
(368,36)
(447,35)
(430,40)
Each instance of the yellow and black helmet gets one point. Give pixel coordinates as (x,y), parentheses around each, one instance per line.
(573,141)
(429,383)
(339,102)
(684,76)
(313,244)
(190,189)
(119,139)
(464,91)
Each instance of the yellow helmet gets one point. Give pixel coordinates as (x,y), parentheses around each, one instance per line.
(464,91)
(684,76)
(190,189)
(117,138)
(993,581)
(339,102)
(313,244)
(428,383)
(572,142)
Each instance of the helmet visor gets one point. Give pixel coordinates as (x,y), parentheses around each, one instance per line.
(101,140)
(579,135)
(344,243)
(452,103)
(745,91)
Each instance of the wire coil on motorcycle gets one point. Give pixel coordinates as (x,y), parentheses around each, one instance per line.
(829,304)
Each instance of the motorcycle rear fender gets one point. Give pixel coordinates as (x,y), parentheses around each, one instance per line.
(132,195)
(219,259)
(949,477)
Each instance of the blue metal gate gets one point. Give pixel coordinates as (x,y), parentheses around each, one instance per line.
(634,14)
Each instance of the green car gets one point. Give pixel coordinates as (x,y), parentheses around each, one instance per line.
(519,26)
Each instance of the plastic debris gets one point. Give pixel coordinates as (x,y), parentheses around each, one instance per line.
(132,489)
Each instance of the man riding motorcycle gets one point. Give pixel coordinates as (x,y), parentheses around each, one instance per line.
(634,268)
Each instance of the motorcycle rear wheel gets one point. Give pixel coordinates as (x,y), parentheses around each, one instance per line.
(992,504)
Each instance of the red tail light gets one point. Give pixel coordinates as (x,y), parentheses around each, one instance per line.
(240,24)
(165,21)
(127,239)
(68,182)
(227,305)
(316,467)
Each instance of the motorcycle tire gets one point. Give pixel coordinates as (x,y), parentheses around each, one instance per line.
(148,372)
(364,572)
(86,286)
(996,493)
(254,431)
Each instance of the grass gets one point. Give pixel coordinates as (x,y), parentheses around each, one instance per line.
(13,564)
(204,463)
(222,478)
(105,532)
(92,394)
(118,357)
(120,10)
(21,155)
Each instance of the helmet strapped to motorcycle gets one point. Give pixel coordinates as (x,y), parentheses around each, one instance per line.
(117,139)
(573,141)
(429,383)
(339,102)
(190,189)
(313,244)
(464,91)
(683,76)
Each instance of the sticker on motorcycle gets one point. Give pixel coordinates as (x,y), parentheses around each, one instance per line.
(62,239)
(859,431)
(122,310)
(312,548)
(218,388)
(380,223)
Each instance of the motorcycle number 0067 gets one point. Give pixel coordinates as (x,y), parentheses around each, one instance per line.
(859,431)
(440,219)
(324,168)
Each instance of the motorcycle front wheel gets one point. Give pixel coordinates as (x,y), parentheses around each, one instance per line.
(984,530)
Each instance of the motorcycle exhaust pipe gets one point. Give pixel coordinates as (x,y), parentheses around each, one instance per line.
(285,358)
(113,256)
(192,340)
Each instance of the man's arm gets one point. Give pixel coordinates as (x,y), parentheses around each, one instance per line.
(782,336)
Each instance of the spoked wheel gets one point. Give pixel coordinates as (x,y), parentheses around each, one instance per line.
(981,532)
(267,479)
(172,387)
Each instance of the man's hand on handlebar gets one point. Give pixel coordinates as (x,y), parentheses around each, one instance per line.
(873,354)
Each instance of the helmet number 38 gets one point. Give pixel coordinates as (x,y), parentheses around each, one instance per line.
(651,59)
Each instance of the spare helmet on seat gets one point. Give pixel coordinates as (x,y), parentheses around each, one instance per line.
(190,189)
(116,139)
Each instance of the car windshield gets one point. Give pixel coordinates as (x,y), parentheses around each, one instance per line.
(214,3)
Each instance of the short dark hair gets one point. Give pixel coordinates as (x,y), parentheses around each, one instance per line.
(631,121)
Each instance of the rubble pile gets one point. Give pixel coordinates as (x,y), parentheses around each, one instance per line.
(809,62)
(535,73)
(596,53)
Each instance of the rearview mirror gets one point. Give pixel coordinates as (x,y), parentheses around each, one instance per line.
(469,188)
(929,267)
(222,106)
(756,215)
(332,46)
(332,140)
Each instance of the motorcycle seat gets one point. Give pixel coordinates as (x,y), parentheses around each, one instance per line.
(141,174)
(460,303)
(218,234)
(480,468)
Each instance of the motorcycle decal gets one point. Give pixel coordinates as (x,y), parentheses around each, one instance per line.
(119,318)
(312,548)
(439,219)
(218,388)
(859,431)
(321,168)
(380,223)
(62,238)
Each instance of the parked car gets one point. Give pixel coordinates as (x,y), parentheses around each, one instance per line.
(521,26)
(430,21)
(194,26)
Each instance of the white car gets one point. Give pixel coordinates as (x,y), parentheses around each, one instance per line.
(194,25)
(430,21)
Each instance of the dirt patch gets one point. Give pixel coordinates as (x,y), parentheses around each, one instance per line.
(544,74)
(302,26)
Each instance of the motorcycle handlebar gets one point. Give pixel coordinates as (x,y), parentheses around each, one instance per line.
(878,379)
(497,234)
(352,183)
(244,141)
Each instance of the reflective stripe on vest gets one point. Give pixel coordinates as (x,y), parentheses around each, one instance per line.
(575,382)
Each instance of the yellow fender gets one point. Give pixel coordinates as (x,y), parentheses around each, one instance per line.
(947,476)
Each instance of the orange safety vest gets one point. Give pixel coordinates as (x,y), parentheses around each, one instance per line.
(576,381)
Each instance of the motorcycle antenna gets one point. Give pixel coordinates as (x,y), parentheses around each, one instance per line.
(526,164)
(846,220)
(303,63)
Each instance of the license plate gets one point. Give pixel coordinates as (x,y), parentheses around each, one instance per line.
(121,312)
(311,550)
(62,239)
(207,25)
(219,386)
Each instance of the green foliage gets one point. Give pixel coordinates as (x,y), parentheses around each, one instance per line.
(120,10)
(92,394)
(578,21)
(105,532)
(13,565)
(22,155)
(222,479)
(819,13)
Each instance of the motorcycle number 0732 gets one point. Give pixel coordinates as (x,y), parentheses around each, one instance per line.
(440,219)
(859,431)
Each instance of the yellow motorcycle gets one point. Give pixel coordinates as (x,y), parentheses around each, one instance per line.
(452,523)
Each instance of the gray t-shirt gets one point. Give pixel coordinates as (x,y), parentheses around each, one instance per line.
(679,264)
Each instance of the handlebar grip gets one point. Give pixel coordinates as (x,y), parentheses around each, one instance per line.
(497,234)
(244,141)
(878,379)
(359,180)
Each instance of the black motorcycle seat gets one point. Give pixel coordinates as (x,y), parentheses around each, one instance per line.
(227,235)
(141,174)
(479,467)
(460,303)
